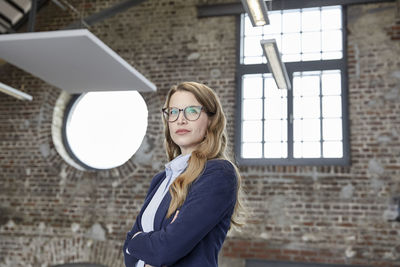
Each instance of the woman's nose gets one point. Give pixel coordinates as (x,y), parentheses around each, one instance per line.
(181,118)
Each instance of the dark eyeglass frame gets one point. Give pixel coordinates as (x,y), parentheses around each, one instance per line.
(166,115)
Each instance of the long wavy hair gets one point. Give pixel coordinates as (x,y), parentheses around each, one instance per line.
(212,147)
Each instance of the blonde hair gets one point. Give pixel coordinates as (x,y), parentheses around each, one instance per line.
(212,147)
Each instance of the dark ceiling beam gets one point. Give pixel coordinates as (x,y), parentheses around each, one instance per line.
(237,8)
(32,16)
(219,10)
(109,12)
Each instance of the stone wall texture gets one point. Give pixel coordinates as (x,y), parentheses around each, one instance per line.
(52,213)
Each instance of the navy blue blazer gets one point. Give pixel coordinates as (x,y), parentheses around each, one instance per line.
(196,236)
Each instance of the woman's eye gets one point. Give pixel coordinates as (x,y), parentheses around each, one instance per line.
(173,111)
(192,110)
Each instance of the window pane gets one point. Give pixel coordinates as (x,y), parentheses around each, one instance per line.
(297,149)
(253,60)
(306,84)
(311,130)
(311,42)
(311,19)
(311,56)
(310,85)
(331,106)
(332,55)
(296,84)
(297,130)
(333,149)
(331,17)
(275,130)
(252,131)
(332,41)
(252,109)
(252,86)
(275,108)
(331,83)
(252,46)
(306,130)
(306,107)
(291,20)
(311,149)
(291,57)
(251,150)
(332,129)
(297,107)
(275,150)
(275,20)
(307,149)
(291,43)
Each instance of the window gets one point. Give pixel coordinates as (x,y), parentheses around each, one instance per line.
(307,124)
(103,130)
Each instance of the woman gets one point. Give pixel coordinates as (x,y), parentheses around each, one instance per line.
(190,206)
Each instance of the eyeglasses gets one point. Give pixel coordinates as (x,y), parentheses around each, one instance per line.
(191,113)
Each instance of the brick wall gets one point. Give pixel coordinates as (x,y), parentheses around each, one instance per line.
(53,213)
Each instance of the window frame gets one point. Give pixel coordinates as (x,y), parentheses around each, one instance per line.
(318,65)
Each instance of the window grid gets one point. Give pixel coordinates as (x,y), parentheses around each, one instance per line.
(277,117)
(258,33)
(321,65)
(301,119)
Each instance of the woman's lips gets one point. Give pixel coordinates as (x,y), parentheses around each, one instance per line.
(182,131)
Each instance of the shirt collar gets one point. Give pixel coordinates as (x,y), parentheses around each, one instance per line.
(178,164)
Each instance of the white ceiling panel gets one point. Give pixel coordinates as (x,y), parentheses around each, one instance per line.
(73,60)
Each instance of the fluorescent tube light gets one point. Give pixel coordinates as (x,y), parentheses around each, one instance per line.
(14,92)
(275,63)
(257,10)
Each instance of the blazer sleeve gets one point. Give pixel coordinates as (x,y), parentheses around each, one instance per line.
(210,198)
(129,259)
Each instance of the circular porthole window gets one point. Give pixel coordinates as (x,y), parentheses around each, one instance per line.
(103,130)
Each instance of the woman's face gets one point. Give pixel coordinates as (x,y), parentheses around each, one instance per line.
(187,134)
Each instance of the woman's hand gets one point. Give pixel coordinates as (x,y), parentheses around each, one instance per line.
(148,265)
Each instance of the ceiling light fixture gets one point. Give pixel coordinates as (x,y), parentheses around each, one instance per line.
(275,63)
(257,10)
(14,92)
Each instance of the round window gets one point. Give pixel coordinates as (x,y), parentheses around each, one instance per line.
(103,130)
